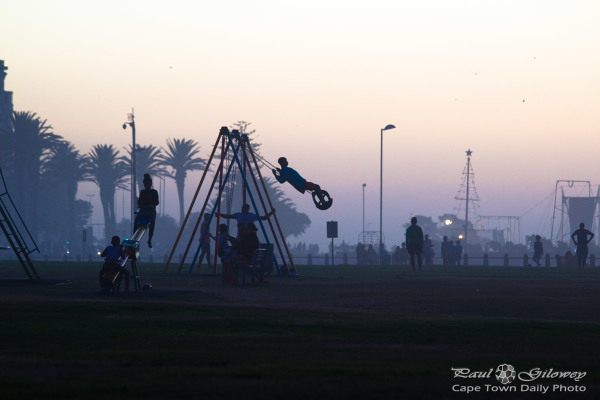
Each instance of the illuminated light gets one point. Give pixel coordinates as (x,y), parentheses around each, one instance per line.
(99,252)
(460,236)
(448,222)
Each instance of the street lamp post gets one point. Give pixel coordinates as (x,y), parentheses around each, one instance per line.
(131,123)
(381,195)
(363,186)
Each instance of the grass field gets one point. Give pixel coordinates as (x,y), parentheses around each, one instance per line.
(334,332)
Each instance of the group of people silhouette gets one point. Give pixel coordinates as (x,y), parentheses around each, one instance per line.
(113,253)
(239,250)
(418,249)
(232,250)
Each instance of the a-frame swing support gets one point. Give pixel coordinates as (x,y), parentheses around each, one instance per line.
(243,143)
(240,147)
(16,239)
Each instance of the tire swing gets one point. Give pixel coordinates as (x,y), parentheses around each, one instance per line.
(322,199)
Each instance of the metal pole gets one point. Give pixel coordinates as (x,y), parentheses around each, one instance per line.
(562,213)
(187,215)
(363,186)
(292,267)
(133,183)
(332,253)
(381,199)
(131,123)
(467,204)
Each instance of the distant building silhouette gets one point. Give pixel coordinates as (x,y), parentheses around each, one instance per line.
(6,101)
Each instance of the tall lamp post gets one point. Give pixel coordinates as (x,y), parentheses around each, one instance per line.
(131,123)
(363,186)
(388,127)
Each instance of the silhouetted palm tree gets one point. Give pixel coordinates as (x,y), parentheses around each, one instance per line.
(107,171)
(64,169)
(180,156)
(147,161)
(6,150)
(30,143)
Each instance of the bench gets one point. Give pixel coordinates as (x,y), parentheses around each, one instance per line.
(261,267)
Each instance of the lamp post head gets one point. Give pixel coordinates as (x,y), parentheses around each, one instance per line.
(388,127)
(364,184)
(125,125)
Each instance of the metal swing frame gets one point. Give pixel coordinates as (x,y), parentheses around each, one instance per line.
(238,144)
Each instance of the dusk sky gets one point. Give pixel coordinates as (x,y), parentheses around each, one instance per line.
(517,82)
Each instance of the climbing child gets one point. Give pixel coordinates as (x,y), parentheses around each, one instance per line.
(147,203)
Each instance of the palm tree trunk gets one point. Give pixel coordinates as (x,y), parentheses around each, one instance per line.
(107,221)
(71,193)
(180,182)
(113,218)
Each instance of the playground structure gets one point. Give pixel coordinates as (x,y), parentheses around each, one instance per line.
(500,228)
(577,209)
(236,146)
(13,226)
(131,251)
(370,237)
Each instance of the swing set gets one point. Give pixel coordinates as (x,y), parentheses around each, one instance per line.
(238,147)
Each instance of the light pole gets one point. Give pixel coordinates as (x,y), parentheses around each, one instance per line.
(363,186)
(131,123)
(388,127)
(469,152)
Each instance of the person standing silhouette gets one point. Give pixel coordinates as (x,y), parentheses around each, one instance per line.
(147,203)
(582,243)
(245,217)
(205,244)
(445,250)
(414,242)
(428,252)
(538,250)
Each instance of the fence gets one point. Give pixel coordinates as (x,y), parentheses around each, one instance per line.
(343,259)
(485,260)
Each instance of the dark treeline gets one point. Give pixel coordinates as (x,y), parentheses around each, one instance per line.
(43,171)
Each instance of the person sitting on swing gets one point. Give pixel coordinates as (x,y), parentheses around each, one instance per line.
(287,174)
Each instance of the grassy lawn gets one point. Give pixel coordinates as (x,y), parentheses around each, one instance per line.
(335,332)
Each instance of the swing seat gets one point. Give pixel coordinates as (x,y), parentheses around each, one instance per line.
(322,199)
